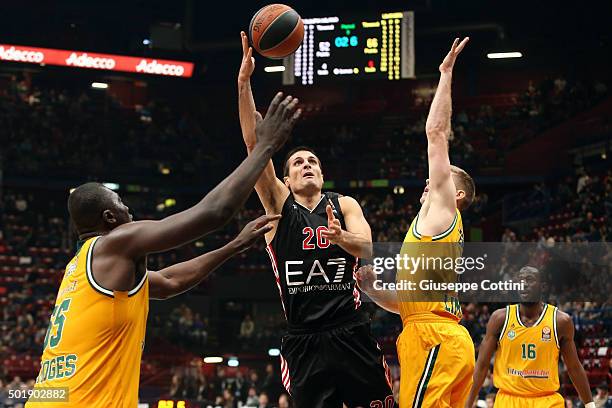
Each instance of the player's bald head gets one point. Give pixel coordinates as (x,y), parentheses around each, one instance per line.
(87,203)
(530,271)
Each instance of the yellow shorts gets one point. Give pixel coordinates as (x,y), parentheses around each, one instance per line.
(506,400)
(437,364)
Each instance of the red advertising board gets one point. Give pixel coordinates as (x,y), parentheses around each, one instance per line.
(108,62)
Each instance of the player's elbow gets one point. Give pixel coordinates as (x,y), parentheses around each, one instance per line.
(436,132)
(436,124)
(161,294)
(170,288)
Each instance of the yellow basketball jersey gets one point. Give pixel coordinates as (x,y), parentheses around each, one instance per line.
(443,304)
(95,339)
(527,358)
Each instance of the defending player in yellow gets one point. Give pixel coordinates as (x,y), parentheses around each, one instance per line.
(527,339)
(436,353)
(95,339)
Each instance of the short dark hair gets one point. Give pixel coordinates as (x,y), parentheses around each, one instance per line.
(292,152)
(86,204)
(464,182)
(531,270)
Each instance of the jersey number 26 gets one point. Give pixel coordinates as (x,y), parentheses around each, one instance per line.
(321,242)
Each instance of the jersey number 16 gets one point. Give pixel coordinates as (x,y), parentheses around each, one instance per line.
(528,351)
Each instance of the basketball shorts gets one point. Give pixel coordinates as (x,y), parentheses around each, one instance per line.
(341,365)
(507,400)
(437,364)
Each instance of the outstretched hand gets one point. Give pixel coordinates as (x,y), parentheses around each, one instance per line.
(248,61)
(334,228)
(254,230)
(449,61)
(280,119)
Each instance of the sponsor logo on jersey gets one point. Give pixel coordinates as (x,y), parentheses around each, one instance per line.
(546,333)
(315,288)
(531,373)
(72,267)
(318,277)
(511,335)
(70,288)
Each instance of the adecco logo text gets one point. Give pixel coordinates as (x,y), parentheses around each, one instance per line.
(16,54)
(85,61)
(154,67)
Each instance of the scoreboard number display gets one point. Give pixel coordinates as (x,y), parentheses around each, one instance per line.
(380,47)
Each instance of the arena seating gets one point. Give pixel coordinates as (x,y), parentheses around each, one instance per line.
(35,240)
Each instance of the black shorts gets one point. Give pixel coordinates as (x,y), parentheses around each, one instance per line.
(341,365)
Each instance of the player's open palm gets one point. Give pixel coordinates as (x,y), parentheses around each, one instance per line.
(254,230)
(248,61)
(274,130)
(449,61)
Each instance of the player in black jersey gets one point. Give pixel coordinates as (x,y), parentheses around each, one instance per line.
(329,356)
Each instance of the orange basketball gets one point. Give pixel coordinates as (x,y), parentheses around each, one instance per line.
(276,31)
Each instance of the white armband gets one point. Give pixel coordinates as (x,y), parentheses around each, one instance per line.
(589,405)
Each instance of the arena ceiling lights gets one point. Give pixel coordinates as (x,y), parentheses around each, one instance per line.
(504,55)
(99,85)
(91,60)
(276,68)
(213,360)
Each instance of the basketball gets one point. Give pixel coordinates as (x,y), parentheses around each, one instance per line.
(276,31)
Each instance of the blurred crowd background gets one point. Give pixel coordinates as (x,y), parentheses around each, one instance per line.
(90,133)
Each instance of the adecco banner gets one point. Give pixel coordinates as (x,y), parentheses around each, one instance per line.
(109,62)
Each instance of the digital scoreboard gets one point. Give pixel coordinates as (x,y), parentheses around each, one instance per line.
(378,47)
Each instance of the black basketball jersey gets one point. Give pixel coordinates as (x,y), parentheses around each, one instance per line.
(315,278)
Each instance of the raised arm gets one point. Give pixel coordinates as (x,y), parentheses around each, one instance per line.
(485,352)
(183,276)
(271,191)
(136,239)
(246,103)
(565,330)
(438,128)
